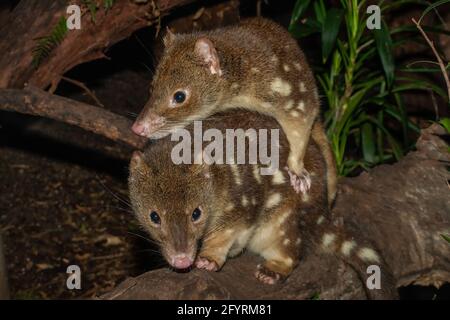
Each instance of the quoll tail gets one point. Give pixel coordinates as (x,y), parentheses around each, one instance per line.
(363,258)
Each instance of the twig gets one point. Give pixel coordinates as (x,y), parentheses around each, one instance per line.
(85,88)
(438,57)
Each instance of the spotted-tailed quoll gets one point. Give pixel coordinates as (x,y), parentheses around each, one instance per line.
(255,65)
(201,215)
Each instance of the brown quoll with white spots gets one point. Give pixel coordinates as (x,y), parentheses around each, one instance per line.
(255,65)
(201,215)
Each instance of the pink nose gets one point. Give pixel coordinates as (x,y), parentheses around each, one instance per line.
(138,128)
(181,261)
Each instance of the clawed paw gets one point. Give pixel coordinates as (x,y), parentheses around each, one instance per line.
(204,263)
(300,183)
(267,276)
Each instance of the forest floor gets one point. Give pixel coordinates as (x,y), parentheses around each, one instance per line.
(56,211)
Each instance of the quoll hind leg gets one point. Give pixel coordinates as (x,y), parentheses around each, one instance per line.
(298,132)
(281,253)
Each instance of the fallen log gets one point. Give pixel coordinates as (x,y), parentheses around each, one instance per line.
(403,209)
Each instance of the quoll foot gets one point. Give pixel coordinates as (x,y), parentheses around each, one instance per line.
(300,183)
(268,276)
(204,263)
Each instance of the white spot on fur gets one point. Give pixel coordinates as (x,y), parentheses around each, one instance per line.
(273,200)
(288,106)
(286,67)
(278,177)
(328,239)
(369,255)
(274,59)
(280,86)
(254,70)
(254,201)
(295,114)
(302,87)
(244,201)
(283,217)
(286,242)
(297,66)
(288,261)
(301,105)
(229,207)
(347,247)
(235,86)
(256,174)
(298,241)
(305,197)
(320,219)
(236,174)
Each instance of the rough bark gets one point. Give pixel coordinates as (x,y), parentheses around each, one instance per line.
(98,120)
(4,292)
(403,208)
(33,19)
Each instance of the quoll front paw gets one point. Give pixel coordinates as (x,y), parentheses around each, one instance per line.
(300,183)
(205,263)
(268,276)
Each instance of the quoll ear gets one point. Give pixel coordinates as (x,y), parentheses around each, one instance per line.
(204,48)
(169,38)
(137,159)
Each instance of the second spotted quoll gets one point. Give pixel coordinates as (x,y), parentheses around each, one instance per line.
(203,214)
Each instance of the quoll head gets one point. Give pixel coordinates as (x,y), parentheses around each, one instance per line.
(185,86)
(171,205)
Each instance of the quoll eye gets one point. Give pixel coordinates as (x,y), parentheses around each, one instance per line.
(196,214)
(179,97)
(155,217)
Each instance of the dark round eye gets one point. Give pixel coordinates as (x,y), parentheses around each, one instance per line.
(155,217)
(179,97)
(196,214)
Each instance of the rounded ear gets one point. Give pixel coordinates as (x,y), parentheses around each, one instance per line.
(137,160)
(168,38)
(206,51)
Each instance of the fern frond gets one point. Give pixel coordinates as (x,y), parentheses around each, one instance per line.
(107,4)
(46,44)
(92,7)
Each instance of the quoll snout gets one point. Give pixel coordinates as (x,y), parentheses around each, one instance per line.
(148,124)
(181,261)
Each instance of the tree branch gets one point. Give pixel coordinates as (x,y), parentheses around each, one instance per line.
(33,19)
(34,101)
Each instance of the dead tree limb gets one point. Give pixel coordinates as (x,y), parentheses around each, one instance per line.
(98,120)
(403,208)
(33,19)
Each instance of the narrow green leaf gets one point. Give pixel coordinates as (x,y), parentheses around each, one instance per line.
(368,142)
(432,7)
(384,46)
(445,122)
(330,30)
(299,9)
(446,237)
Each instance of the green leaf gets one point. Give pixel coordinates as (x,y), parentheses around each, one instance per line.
(445,122)
(384,46)
(368,142)
(300,30)
(431,7)
(330,30)
(446,237)
(299,9)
